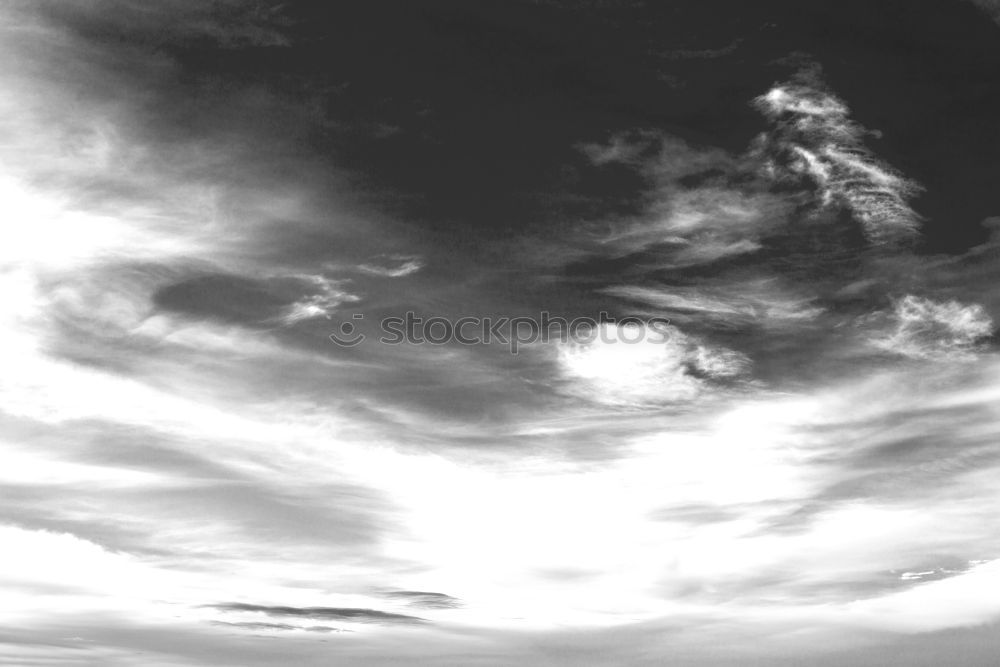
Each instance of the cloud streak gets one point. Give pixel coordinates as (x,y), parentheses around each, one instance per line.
(324,613)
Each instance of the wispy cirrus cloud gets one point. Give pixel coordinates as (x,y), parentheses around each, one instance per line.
(397,266)
(814,137)
(924,328)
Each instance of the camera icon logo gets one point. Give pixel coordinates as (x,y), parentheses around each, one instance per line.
(348,336)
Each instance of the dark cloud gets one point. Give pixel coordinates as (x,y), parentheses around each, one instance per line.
(327,613)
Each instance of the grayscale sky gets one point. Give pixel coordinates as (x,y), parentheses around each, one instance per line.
(795,462)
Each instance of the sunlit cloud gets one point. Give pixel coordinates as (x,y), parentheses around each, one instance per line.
(639,364)
(925,328)
(815,137)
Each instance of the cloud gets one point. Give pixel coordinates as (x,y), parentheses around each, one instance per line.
(325,613)
(693,214)
(247,625)
(399,266)
(814,138)
(991,7)
(708,205)
(786,463)
(425,599)
(760,302)
(254,301)
(683,54)
(924,328)
(933,574)
(794,255)
(329,297)
(642,365)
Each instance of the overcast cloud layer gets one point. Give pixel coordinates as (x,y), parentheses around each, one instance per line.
(797,465)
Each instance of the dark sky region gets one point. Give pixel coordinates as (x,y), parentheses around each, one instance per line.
(794,463)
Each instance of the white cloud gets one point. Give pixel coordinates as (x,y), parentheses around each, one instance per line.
(814,137)
(762,301)
(396,266)
(642,364)
(925,329)
(329,297)
(648,372)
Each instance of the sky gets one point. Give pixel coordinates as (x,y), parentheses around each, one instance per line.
(787,454)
